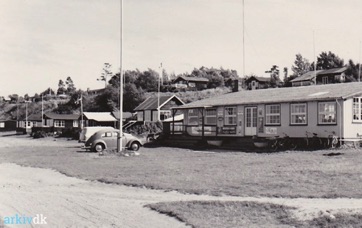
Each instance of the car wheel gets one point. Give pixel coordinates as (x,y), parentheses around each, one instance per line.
(135,146)
(99,148)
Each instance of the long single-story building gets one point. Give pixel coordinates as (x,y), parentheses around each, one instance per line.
(294,111)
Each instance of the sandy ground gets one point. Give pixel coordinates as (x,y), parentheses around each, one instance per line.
(72,202)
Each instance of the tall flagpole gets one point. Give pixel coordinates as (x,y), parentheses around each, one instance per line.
(243,41)
(120,144)
(315,61)
(359,66)
(42,111)
(158,94)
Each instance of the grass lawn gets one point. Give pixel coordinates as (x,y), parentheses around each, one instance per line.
(285,174)
(204,214)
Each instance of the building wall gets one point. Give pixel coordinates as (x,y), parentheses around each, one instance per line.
(351,127)
(263,130)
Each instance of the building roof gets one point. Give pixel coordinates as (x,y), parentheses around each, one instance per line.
(260,79)
(151,103)
(100,116)
(193,79)
(281,95)
(311,74)
(62,116)
(333,71)
(126,115)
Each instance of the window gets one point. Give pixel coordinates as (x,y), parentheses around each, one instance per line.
(193,117)
(357,109)
(2,125)
(230,115)
(59,123)
(210,117)
(327,113)
(325,80)
(75,123)
(272,114)
(107,134)
(298,114)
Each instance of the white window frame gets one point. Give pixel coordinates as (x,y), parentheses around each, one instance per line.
(299,114)
(59,123)
(269,115)
(211,116)
(324,113)
(2,124)
(75,123)
(230,115)
(193,117)
(357,109)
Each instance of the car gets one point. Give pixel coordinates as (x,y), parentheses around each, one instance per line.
(87,132)
(107,140)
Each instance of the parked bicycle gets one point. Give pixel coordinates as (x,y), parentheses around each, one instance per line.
(282,143)
(313,142)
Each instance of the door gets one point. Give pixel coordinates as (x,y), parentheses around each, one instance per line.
(250,120)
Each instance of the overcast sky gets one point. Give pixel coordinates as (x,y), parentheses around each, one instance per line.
(42,41)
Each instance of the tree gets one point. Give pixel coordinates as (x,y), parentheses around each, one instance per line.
(329,60)
(274,76)
(301,66)
(14,98)
(106,72)
(70,85)
(353,71)
(133,95)
(148,81)
(61,87)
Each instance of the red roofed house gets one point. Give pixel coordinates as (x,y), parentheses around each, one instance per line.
(148,110)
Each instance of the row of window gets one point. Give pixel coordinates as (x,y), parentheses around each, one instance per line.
(61,123)
(327,112)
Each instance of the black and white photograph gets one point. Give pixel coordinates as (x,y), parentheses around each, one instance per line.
(180,113)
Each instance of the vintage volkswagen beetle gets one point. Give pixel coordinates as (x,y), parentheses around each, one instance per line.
(107,140)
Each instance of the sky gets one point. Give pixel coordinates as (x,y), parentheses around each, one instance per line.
(42,41)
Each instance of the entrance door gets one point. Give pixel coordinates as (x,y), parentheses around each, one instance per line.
(250,120)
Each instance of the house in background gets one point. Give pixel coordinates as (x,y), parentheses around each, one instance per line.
(321,77)
(61,122)
(255,82)
(98,119)
(147,111)
(7,125)
(25,125)
(190,82)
